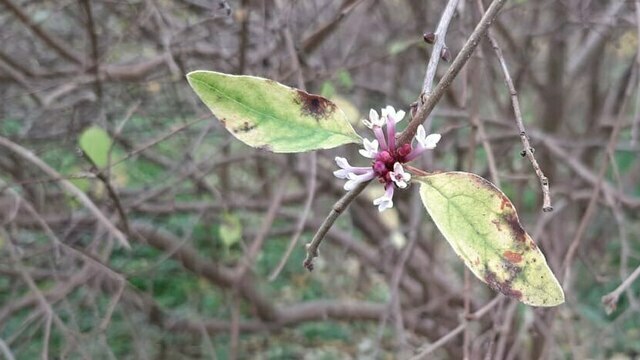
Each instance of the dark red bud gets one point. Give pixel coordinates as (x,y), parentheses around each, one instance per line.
(445,54)
(429,37)
(384,156)
(404,150)
(380,168)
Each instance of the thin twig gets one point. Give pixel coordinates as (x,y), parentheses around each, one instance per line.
(104,324)
(313,41)
(635,125)
(610,300)
(336,210)
(313,164)
(4,349)
(453,333)
(58,45)
(46,337)
(69,187)
(313,179)
(252,253)
(587,51)
(438,46)
(95,55)
(113,195)
(458,63)
(421,115)
(591,207)
(544,182)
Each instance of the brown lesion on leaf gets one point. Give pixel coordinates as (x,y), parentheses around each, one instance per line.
(505,203)
(512,257)
(484,183)
(512,269)
(223,121)
(245,127)
(315,106)
(514,224)
(496,222)
(503,287)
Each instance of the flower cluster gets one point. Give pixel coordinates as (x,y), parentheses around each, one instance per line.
(386,158)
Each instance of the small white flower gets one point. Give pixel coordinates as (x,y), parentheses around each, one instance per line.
(374,120)
(345,168)
(390,111)
(342,162)
(400,177)
(385,201)
(370,149)
(341,174)
(427,142)
(355,179)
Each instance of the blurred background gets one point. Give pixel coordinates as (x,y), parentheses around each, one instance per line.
(103,143)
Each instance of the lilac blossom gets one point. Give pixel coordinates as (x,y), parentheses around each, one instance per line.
(387,159)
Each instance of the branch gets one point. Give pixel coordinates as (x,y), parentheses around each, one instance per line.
(422,114)
(610,301)
(458,63)
(438,46)
(338,208)
(544,182)
(58,45)
(585,52)
(68,186)
(196,263)
(453,333)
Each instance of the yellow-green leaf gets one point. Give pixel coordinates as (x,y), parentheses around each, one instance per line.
(265,114)
(230,230)
(482,226)
(95,142)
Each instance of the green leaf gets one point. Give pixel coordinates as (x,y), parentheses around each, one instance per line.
(482,226)
(230,230)
(344,78)
(327,89)
(95,143)
(265,114)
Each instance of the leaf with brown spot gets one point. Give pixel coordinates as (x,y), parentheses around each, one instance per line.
(268,115)
(482,226)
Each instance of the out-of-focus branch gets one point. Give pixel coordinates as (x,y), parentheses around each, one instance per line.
(610,301)
(319,36)
(58,45)
(195,263)
(336,210)
(586,51)
(453,333)
(68,186)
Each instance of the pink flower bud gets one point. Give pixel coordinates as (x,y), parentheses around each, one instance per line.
(385,157)
(404,150)
(380,168)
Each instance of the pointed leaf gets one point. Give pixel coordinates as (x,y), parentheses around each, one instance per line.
(265,114)
(482,226)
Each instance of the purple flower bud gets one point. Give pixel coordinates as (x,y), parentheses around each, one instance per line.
(380,168)
(385,157)
(404,150)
